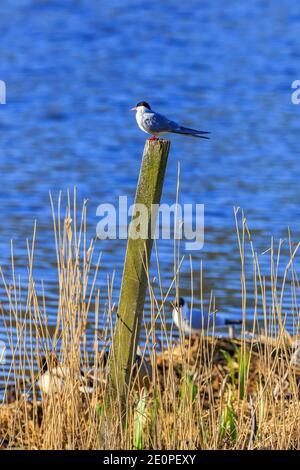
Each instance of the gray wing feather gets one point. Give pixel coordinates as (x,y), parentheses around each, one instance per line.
(156,122)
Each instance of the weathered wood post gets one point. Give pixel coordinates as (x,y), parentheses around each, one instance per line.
(134,281)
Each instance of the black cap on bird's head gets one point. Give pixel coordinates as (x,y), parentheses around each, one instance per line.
(44,364)
(48,362)
(143,103)
(140,104)
(181,302)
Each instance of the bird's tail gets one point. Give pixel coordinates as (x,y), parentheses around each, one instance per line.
(233,321)
(191,132)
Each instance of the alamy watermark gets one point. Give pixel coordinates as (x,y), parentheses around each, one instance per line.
(2,92)
(162,221)
(295,96)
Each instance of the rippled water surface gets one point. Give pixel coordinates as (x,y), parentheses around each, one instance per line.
(74,68)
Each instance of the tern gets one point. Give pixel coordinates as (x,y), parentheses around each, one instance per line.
(156,124)
(54,376)
(189,323)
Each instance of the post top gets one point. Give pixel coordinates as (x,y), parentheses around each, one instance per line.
(159,143)
(157,140)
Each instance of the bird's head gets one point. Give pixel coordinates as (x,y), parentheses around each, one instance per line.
(178,304)
(48,362)
(180,314)
(142,105)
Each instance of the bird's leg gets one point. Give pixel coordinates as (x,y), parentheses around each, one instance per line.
(153,138)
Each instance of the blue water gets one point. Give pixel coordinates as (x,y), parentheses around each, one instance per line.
(74,68)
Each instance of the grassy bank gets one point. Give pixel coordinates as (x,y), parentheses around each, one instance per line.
(203,393)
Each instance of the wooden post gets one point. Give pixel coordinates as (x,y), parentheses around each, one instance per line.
(134,281)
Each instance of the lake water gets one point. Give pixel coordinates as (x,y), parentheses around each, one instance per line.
(74,68)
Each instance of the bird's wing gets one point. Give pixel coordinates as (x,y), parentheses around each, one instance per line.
(156,122)
(198,322)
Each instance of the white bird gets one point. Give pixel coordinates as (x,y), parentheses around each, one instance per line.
(55,375)
(156,124)
(190,323)
(295,358)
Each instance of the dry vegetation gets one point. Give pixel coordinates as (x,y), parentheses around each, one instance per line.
(204,393)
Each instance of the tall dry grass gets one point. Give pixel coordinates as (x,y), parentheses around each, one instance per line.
(204,393)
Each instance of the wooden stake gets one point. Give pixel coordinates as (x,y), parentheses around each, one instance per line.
(134,281)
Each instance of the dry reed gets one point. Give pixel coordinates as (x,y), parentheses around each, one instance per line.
(204,393)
